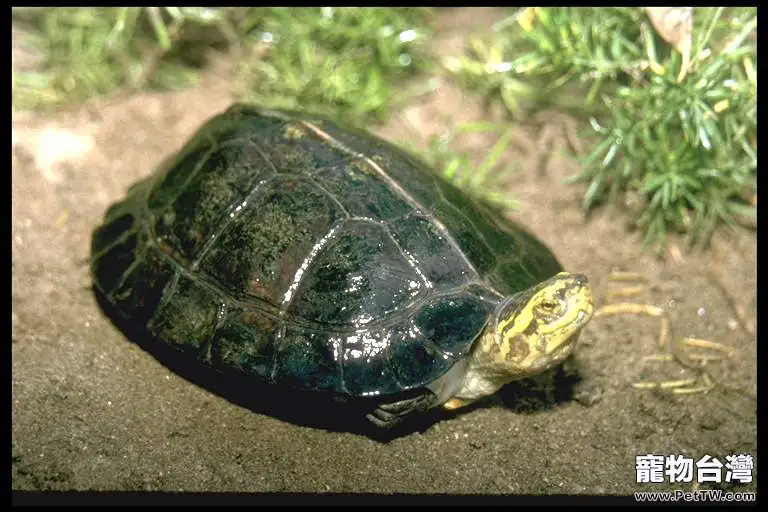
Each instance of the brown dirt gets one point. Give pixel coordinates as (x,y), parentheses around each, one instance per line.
(92,411)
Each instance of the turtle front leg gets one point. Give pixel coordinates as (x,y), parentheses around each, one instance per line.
(457,403)
(387,415)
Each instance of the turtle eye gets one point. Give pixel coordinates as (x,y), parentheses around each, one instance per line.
(548,306)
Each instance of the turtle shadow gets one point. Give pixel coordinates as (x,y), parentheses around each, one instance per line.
(325,411)
(312,409)
(557,386)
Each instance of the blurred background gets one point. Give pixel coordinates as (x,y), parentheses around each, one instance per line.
(664,98)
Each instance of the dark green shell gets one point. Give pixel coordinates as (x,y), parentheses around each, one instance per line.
(288,248)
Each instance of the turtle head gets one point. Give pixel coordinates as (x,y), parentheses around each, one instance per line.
(538,329)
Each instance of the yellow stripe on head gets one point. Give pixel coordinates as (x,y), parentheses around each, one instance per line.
(536,331)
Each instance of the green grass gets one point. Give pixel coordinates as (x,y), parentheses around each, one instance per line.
(685,147)
(337,61)
(488,179)
(343,62)
(88,52)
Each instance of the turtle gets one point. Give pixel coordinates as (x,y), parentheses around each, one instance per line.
(312,255)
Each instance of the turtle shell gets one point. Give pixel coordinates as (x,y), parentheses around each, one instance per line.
(309,254)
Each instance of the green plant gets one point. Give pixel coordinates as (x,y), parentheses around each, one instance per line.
(683,140)
(87,52)
(340,61)
(484,180)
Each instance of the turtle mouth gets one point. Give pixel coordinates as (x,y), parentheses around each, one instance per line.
(567,343)
(584,316)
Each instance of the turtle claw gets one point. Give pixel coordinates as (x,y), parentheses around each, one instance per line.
(387,415)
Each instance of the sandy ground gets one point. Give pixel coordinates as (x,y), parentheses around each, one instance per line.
(93,411)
